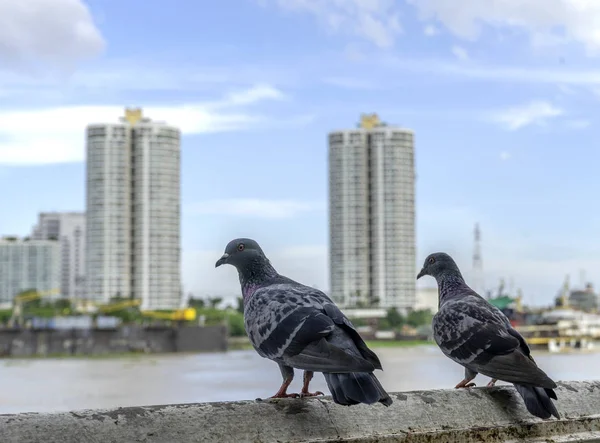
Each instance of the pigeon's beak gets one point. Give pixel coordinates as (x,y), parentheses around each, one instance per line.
(222,260)
(421,274)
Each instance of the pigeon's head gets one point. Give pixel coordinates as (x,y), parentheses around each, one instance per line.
(437,264)
(240,253)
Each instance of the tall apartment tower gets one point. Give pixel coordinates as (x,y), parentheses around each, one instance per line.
(133,211)
(372,216)
(69,229)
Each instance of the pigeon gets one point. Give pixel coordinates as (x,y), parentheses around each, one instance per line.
(477,335)
(299,327)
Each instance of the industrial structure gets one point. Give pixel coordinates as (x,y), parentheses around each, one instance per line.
(478,280)
(372,216)
(68,228)
(133,212)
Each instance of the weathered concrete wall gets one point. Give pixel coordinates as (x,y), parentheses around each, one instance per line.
(443,416)
(29,342)
(213,338)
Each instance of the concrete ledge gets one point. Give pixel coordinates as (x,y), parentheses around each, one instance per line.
(445,416)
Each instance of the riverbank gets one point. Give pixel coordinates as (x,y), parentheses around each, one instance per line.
(243,344)
(233,344)
(128,340)
(398,343)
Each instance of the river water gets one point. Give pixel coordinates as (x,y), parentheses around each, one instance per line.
(36,385)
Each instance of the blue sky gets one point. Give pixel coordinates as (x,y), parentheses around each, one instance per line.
(502,95)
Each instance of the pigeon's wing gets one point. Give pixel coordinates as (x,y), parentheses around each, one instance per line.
(343,322)
(284,326)
(474,338)
(463,337)
(546,382)
(321,301)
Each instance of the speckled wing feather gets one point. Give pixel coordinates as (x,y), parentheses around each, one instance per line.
(301,327)
(478,336)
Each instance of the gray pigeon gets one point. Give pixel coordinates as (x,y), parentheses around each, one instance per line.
(478,336)
(299,327)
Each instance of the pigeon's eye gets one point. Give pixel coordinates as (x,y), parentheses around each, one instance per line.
(431,260)
(241,247)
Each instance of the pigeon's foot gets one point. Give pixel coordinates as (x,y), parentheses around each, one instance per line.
(280,395)
(308,375)
(466,383)
(285,395)
(492,383)
(288,375)
(310,394)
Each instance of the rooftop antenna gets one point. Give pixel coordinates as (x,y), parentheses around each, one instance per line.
(582,281)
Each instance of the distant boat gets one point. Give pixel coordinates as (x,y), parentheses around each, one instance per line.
(563,328)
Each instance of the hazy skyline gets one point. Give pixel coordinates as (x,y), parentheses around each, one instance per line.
(502,97)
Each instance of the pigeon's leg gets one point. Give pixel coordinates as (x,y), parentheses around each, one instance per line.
(287,372)
(466,383)
(492,383)
(308,375)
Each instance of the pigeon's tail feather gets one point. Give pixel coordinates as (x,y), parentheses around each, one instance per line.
(356,387)
(538,400)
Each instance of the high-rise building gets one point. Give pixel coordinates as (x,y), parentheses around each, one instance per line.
(372,216)
(133,211)
(69,229)
(28,264)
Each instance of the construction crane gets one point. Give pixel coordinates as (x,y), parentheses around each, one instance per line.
(118,306)
(187,314)
(27,297)
(89,307)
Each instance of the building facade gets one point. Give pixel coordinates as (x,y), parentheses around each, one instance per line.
(69,229)
(133,212)
(27,264)
(427,298)
(372,216)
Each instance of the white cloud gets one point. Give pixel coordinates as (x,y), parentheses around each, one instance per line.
(521,74)
(551,21)
(255,94)
(460,53)
(58,32)
(578,124)
(505,155)
(349,83)
(566,90)
(376,21)
(58,132)
(306,264)
(430,31)
(255,208)
(354,53)
(533,113)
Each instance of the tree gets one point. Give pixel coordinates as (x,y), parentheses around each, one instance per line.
(235,322)
(63,306)
(394,318)
(197,303)
(240,305)
(215,301)
(419,317)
